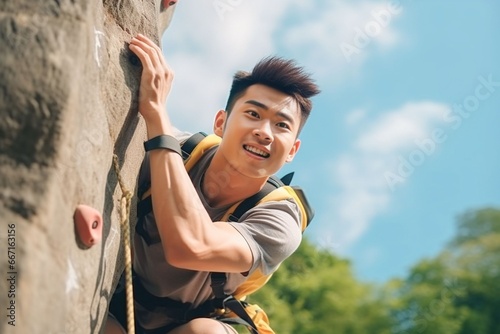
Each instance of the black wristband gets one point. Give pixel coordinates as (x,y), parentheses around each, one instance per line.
(163,141)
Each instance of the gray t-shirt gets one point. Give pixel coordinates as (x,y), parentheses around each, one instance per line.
(272,230)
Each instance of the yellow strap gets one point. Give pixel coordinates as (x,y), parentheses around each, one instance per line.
(204,145)
(287,192)
(252,284)
(278,194)
(258,316)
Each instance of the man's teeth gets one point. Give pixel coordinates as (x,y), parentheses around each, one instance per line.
(257,151)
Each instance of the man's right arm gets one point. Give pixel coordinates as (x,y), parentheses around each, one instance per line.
(189,238)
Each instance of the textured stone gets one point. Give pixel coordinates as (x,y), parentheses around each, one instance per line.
(68,101)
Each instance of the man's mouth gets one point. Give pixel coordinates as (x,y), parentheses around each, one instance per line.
(256,151)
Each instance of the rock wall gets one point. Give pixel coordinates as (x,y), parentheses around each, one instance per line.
(68,101)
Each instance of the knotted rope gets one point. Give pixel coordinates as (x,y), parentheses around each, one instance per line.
(125,202)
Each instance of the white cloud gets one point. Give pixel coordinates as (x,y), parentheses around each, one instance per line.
(355,116)
(205,47)
(398,129)
(206,44)
(320,31)
(360,173)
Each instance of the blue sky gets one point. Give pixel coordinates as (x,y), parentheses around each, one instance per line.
(404,136)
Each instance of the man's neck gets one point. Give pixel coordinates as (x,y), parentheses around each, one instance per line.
(223,184)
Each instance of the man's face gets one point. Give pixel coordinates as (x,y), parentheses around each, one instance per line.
(260,133)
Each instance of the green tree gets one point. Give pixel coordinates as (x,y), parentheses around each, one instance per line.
(457,291)
(476,250)
(316,292)
(427,299)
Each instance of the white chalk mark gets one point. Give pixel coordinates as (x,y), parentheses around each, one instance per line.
(72,279)
(110,240)
(97,34)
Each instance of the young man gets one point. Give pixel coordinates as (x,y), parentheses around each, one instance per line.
(186,240)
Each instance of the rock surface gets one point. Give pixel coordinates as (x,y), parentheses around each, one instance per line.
(68,102)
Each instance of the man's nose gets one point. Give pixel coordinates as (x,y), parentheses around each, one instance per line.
(263,132)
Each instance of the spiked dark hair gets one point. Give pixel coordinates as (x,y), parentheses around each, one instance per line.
(280,74)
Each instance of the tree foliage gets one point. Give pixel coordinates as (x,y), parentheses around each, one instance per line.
(316,292)
(456,292)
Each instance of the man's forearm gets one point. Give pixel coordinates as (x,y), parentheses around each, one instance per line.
(179,213)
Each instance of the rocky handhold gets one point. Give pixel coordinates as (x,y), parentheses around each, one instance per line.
(68,102)
(168,3)
(88,225)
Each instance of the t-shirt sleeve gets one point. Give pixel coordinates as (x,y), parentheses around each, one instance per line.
(272,230)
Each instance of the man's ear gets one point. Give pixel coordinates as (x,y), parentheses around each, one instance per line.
(219,122)
(293,150)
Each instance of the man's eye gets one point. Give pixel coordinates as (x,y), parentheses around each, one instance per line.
(283,125)
(253,113)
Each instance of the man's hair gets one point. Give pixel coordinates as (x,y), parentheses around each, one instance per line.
(280,74)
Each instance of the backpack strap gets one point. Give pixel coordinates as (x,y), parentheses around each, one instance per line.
(190,144)
(218,280)
(197,145)
(275,189)
(187,149)
(287,192)
(234,215)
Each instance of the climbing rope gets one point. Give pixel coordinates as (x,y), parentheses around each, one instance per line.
(124,219)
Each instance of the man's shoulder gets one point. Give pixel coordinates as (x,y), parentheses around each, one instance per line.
(285,210)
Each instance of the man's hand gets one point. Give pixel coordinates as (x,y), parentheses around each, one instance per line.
(156,79)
